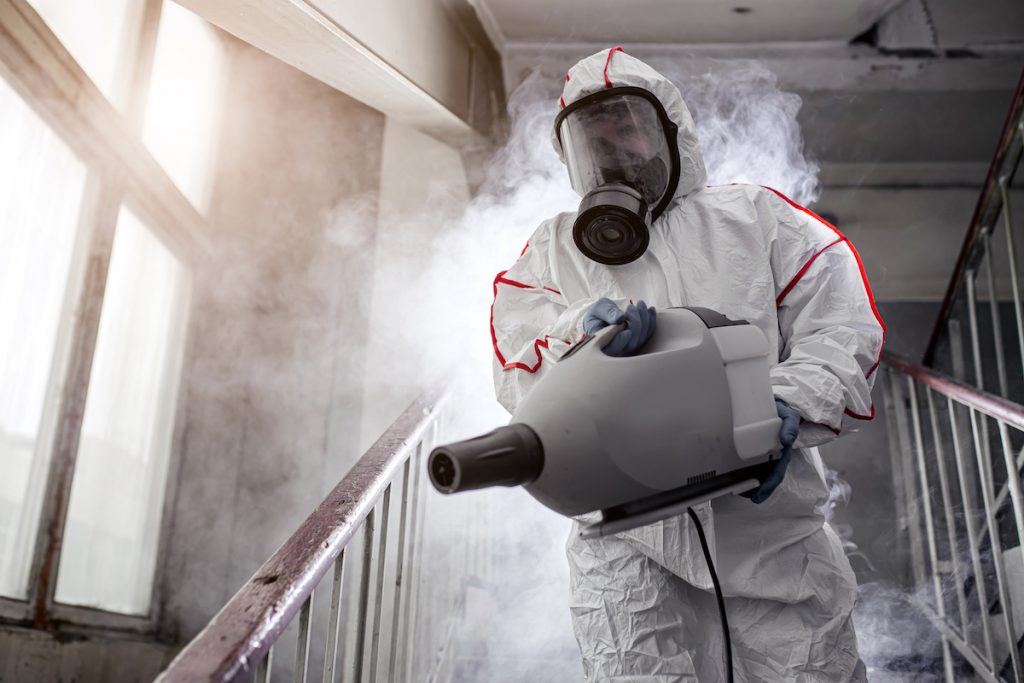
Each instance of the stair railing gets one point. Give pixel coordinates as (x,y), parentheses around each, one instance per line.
(952,446)
(382,639)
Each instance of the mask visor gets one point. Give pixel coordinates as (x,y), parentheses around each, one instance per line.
(617,138)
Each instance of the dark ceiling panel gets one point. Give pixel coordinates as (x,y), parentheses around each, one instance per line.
(903,126)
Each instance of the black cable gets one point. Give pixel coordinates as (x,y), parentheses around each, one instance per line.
(718,594)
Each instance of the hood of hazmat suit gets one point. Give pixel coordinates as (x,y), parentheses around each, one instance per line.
(641,601)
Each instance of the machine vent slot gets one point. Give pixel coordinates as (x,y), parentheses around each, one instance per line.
(697,478)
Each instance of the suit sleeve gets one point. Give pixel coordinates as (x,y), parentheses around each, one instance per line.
(532,323)
(832,333)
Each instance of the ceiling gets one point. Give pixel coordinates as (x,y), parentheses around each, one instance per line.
(680,21)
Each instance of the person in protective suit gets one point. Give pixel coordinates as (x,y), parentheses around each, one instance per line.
(649,229)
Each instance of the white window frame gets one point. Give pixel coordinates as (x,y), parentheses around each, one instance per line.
(121,171)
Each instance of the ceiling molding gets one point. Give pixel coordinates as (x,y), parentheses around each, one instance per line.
(302,35)
(490,24)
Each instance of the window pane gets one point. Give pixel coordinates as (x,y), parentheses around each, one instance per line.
(184,100)
(93,33)
(41,184)
(113,526)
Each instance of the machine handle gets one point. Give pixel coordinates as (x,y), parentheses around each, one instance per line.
(601,339)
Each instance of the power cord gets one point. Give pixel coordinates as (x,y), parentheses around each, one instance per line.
(718,593)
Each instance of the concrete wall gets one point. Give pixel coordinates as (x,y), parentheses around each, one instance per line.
(274,382)
(419,177)
(36,657)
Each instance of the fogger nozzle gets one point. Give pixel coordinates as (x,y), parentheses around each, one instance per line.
(508,456)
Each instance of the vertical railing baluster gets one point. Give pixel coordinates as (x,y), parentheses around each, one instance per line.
(956,345)
(926,499)
(396,612)
(416,565)
(983,442)
(264,667)
(1011,252)
(364,599)
(302,643)
(1013,481)
(972,319)
(1005,491)
(987,486)
(947,506)
(972,538)
(997,324)
(334,622)
(382,548)
(896,451)
(410,577)
(906,470)
(956,349)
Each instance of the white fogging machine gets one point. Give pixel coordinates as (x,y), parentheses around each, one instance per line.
(641,438)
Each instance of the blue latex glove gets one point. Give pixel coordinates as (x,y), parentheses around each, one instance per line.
(787,437)
(640,321)
(603,313)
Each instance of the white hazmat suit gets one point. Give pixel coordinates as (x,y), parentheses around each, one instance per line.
(641,601)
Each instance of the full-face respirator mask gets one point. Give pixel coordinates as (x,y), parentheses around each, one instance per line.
(620,148)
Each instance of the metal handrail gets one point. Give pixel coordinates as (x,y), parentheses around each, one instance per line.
(994,406)
(1006,411)
(933,499)
(244,630)
(986,211)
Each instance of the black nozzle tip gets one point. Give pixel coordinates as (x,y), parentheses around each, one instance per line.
(508,456)
(442,471)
